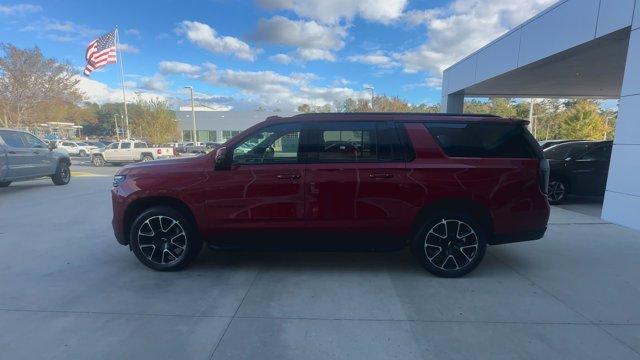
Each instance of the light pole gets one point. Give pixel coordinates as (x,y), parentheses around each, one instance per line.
(194,134)
(370,88)
(115,120)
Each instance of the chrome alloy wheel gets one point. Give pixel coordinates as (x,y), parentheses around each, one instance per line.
(451,245)
(65,173)
(162,240)
(557,191)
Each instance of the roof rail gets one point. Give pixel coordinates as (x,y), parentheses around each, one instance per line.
(396,113)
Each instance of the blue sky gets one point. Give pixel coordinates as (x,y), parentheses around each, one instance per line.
(272,53)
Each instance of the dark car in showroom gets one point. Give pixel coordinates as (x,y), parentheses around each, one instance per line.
(578,168)
(444,185)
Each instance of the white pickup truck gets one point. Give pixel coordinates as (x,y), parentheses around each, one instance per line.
(128,151)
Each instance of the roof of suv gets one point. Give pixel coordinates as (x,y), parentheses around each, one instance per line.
(386,116)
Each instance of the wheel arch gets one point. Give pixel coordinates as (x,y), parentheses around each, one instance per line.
(475,209)
(138,206)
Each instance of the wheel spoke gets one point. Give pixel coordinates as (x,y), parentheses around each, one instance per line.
(157,245)
(451,245)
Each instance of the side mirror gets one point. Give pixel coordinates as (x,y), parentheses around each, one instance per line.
(53,145)
(221,162)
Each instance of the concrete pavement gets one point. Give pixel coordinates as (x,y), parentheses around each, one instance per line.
(69,291)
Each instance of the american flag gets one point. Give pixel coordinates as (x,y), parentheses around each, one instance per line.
(100,52)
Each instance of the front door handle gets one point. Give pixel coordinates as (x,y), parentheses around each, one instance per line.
(288,176)
(380,176)
(36,152)
(12,152)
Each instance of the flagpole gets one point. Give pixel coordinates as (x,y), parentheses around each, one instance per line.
(124,96)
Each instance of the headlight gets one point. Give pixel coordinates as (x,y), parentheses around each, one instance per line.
(118,179)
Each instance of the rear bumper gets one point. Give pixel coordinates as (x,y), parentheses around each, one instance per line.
(518,237)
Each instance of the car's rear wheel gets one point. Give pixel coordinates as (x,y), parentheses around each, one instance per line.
(62,175)
(147,158)
(164,239)
(558,191)
(97,161)
(5,183)
(450,245)
(83,153)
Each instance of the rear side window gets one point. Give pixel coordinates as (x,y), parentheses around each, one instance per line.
(125,145)
(139,145)
(354,142)
(489,140)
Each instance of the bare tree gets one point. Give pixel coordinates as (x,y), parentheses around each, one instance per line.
(28,79)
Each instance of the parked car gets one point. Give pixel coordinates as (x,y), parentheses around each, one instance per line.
(24,157)
(98,145)
(444,185)
(549,143)
(76,148)
(578,168)
(191,148)
(128,151)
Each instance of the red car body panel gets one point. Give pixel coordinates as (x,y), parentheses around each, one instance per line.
(383,198)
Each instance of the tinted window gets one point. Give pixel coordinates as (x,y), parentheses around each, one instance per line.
(601,153)
(565,151)
(273,144)
(140,145)
(32,141)
(347,142)
(113,146)
(483,140)
(68,144)
(12,139)
(125,145)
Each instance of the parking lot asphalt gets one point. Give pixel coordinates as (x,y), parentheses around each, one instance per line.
(69,291)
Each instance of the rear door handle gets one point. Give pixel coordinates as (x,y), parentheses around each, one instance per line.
(380,176)
(288,176)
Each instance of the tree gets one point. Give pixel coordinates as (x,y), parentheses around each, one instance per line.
(582,120)
(29,80)
(153,121)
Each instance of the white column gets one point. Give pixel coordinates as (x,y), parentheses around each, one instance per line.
(453,103)
(622,198)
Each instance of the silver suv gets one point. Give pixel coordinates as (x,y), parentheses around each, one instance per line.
(24,157)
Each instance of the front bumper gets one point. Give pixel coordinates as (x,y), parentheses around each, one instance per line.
(518,237)
(117,222)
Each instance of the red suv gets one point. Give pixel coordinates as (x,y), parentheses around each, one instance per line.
(446,185)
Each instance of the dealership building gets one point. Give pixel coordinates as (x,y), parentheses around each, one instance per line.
(219,126)
(575,48)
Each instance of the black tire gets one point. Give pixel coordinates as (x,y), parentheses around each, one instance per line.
(558,191)
(98,161)
(5,184)
(146,158)
(178,251)
(457,255)
(62,175)
(82,153)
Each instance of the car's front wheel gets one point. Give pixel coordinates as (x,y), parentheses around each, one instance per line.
(558,191)
(97,160)
(164,239)
(450,245)
(62,175)
(83,153)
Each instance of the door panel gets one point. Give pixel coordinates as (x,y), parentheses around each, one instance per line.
(43,164)
(590,171)
(20,159)
(264,186)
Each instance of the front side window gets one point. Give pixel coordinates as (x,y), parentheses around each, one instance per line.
(602,153)
(271,145)
(12,138)
(112,146)
(33,142)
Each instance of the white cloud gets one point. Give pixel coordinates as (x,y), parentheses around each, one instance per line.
(128,48)
(99,92)
(61,31)
(134,32)
(206,37)
(377,58)
(333,11)
(281,58)
(314,41)
(274,89)
(434,82)
(175,67)
(155,83)
(19,9)
(462,27)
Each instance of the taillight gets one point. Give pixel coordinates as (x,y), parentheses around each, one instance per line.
(175,152)
(159,151)
(544,175)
